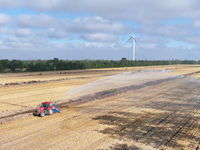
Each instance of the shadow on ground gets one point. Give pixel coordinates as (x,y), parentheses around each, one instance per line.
(173,122)
(123,147)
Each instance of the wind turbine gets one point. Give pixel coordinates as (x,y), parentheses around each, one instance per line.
(134,41)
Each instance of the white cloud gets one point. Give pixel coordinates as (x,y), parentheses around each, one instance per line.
(94,24)
(85,27)
(21,32)
(151,39)
(56,33)
(11,3)
(197,24)
(16,31)
(37,21)
(99,37)
(144,10)
(148,46)
(4,19)
(193,39)
(165,30)
(162,34)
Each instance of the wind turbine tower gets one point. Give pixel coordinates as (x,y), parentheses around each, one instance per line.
(134,41)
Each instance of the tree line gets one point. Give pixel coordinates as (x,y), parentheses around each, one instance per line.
(58,64)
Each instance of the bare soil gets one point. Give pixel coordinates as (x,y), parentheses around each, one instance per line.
(154,110)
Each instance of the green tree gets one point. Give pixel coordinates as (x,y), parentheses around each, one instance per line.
(16,64)
(123,62)
(55,63)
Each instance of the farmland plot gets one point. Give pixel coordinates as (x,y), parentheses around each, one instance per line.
(57,85)
(148,110)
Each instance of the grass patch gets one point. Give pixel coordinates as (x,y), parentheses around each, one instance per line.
(15,83)
(110,91)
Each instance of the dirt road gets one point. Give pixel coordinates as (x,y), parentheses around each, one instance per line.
(160,115)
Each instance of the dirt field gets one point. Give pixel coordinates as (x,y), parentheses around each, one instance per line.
(58,85)
(127,108)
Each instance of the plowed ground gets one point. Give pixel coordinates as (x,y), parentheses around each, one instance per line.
(158,115)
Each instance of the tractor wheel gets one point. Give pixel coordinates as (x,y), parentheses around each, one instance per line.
(34,113)
(50,111)
(42,114)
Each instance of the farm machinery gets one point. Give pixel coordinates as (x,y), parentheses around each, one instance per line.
(46,108)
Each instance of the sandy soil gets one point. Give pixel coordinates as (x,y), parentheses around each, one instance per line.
(161,111)
(77,83)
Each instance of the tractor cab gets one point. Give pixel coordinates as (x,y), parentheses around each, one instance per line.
(46,105)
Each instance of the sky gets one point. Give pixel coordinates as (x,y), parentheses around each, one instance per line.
(99,29)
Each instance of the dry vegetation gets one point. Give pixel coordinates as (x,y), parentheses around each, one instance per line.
(159,112)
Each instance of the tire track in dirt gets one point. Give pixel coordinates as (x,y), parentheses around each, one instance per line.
(175,120)
(188,96)
(188,132)
(172,118)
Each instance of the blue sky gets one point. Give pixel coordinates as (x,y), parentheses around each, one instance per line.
(88,29)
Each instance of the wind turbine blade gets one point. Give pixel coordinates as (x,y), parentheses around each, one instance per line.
(133,29)
(136,42)
(129,39)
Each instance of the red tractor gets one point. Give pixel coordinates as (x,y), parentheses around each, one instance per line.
(44,109)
